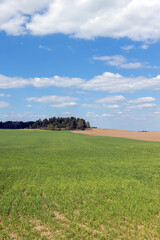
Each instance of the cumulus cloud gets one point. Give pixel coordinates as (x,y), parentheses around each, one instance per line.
(108,81)
(5,95)
(45,48)
(66,113)
(51,99)
(4,104)
(29,106)
(18,82)
(142,106)
(121,62)
(15,14)
(107,115)
(145,46)
(13,82)
(24,116)
(56,81)
(64,104)
(57,101)
(14,25)
(142,100)
(137,20)
(114,106)
(85,105)
(91,115)
(127,47)
(111,99)
(88,19)
(118,83)
(140,103)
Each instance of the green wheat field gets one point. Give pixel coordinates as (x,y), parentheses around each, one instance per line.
(61,185)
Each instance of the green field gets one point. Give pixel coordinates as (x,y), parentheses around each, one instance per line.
(61,185)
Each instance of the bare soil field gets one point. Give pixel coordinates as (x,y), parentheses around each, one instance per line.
(145,136)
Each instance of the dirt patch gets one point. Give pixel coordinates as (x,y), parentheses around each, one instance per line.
(60,216)
(145,136)
(44,231)
(55,204)
(14,236)
(81,225)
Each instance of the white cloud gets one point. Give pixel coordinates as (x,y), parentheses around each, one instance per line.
(66,113)
(4,104)
(117,83)
(137,20)
(142,100)
(56,81)
(18,82)
(145,46)
(45,48)
(142,106)
(127,47)
(88,19)
(65,104)
(85,105)
(121,62)
(131,65)
(141,103)
(111,99)
(5,95)
(23,116)
(14,14)
(80,92)
(157,113)
(106,82)
(119,112)
(57,101)
(14,25)
(107,115)
(114,106)
(51,99)
(29,106)
(13,82)
(91,115)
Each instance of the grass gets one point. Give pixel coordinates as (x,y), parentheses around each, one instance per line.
(60,185)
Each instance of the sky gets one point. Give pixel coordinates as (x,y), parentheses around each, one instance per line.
(97,60)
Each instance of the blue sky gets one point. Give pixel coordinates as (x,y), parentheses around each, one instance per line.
(96,60)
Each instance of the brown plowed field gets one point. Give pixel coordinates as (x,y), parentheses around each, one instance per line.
(145,136)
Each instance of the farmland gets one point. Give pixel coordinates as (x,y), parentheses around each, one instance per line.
(61,185)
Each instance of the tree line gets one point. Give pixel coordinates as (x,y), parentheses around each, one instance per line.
(53,123)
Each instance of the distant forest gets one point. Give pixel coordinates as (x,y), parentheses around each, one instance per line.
(48,124)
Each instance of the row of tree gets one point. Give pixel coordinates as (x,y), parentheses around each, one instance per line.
(50,124)
(15,125)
